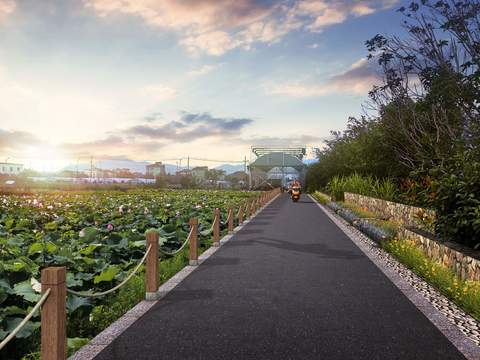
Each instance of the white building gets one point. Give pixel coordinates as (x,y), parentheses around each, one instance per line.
(10,168)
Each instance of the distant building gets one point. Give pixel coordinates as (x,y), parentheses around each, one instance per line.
(200,172)
(10,168)
(184,172)
(157,169)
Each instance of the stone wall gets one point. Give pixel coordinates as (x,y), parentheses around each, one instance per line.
(400,213)
(463,261)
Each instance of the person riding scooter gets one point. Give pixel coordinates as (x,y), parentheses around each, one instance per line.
(295,190)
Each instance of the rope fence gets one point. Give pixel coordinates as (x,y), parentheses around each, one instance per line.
(26,319)
(103,293)
(52,303)
(171,253)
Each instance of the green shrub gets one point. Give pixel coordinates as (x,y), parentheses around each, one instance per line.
(336,187)
(456,186)
(385,189)
(465,294)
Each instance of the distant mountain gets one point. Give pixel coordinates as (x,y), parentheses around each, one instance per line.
(132,165)
(140,166)
(230,169)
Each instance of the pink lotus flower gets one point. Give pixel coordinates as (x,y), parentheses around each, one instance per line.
(109,227)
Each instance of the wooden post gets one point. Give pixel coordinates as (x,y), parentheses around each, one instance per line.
(240,215)
(230,220)
(151,271)
(54,316)
(193,242)
(216,227)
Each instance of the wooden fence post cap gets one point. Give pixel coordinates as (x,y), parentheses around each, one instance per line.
(193,221)
(54,275)
(217,211)
(152,235)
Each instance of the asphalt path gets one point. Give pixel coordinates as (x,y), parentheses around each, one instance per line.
(289,285)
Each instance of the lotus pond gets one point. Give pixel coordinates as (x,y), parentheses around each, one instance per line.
(99,237)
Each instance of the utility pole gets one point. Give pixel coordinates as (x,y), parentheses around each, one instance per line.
(91,168)
(188,162)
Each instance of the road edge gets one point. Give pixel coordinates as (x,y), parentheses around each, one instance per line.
(464,344)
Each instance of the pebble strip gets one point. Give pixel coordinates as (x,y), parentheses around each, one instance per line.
(464,322)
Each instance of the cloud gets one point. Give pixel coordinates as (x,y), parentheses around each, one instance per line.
(357,80)
(205,69)
(158,92)
(300,140)
(153,117)
(143,140)
(115,146)
(7,7)
(189,127)
(11,141)
(215,27)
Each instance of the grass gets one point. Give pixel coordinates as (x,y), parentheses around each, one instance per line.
(464,293)
(390,227)
(321,197)
(363,185)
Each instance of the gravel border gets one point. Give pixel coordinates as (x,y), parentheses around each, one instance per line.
(461,329)
(107,336)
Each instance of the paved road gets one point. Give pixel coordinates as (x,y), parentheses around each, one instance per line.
(289,285)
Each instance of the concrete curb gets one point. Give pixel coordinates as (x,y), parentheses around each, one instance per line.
(107,336)
(466,346)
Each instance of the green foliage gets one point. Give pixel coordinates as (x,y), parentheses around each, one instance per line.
(361,149)
(322,198)
(426,134)
(466,294)
(456,186)
(99,237)
(363,185)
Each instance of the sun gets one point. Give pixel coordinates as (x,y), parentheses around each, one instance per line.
(46,159)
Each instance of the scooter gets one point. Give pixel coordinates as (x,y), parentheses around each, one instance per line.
(295,194)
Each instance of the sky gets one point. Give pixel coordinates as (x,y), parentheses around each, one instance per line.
(164,79)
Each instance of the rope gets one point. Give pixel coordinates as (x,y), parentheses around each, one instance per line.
(94,295)
(230,214)
(180,248)
(24,321)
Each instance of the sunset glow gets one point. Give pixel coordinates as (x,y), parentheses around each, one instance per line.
(115,79)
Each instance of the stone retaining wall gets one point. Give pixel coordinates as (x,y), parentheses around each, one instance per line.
(463,261)
(400,213)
